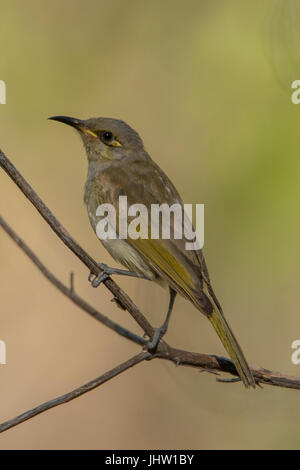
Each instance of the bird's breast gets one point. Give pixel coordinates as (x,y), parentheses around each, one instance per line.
(125,254)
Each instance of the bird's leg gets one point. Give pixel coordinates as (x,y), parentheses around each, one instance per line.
(161,331)
(107,271)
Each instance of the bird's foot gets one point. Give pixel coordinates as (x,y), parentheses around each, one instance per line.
(158,334)
(107,271)
(161,331)
(97,280)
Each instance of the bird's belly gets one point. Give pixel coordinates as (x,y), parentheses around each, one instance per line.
(124,253)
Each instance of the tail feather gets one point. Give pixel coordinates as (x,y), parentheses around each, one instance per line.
(232,347)
(217,319)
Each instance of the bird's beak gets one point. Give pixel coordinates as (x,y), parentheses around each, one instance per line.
(77,123)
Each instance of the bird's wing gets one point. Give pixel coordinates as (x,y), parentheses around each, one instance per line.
(146,183)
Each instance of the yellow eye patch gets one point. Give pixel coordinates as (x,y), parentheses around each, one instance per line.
(87,131)
(115,143)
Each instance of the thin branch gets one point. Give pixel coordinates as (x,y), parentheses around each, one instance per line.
(69,291)
(77,392)
(219,364)
(204,361)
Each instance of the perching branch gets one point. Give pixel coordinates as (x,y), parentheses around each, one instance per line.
(203,362)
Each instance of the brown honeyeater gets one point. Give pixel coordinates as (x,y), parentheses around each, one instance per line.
(118,164)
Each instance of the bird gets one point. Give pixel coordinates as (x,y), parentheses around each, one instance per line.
(119,165)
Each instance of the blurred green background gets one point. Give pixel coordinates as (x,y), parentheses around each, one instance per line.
(208,86)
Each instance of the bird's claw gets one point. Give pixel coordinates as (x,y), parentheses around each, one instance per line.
(158,334)
(97,280)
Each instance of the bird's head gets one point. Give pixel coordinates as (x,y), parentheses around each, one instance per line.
(105,138)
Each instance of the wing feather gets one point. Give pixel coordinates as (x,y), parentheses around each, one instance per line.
(147,184)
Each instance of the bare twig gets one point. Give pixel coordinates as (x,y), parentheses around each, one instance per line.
(196,360)
(72,288)
(77,392)
(213,363)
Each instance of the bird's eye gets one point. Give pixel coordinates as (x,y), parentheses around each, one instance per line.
(108,138)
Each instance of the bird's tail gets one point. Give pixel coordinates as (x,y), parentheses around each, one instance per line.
(231,345)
